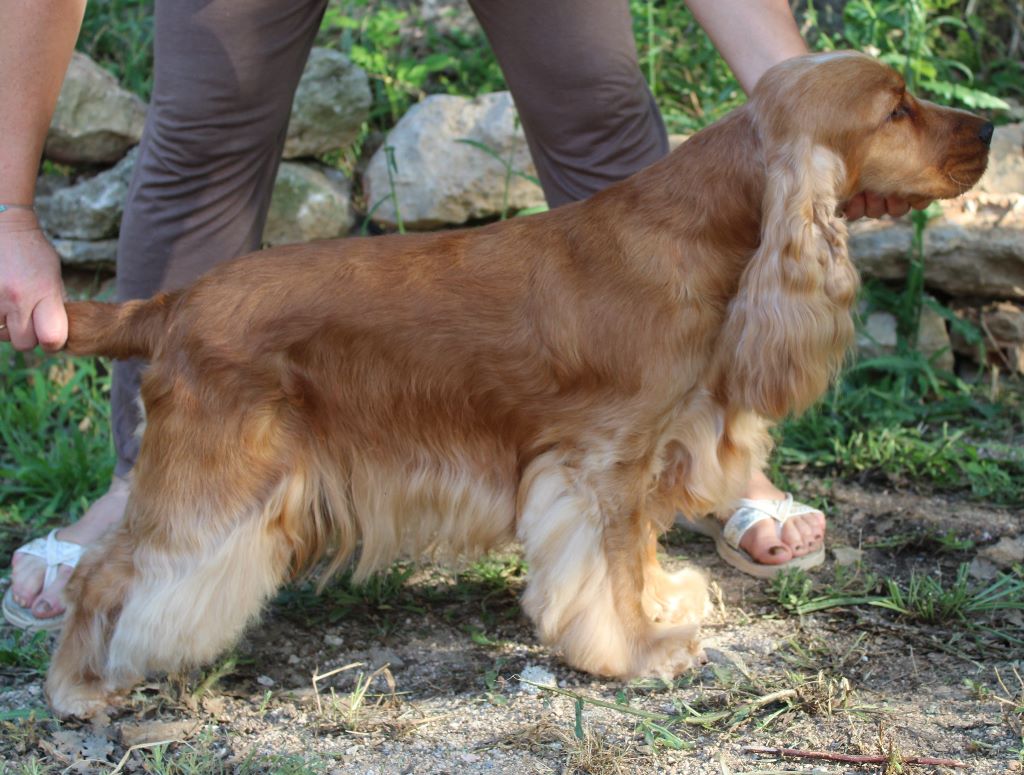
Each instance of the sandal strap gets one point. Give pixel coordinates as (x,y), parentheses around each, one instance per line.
(750,511)
(54,553)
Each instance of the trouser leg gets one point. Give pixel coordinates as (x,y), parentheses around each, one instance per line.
(225,75)
(572,67)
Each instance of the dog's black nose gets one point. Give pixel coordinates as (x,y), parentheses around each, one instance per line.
(985,135)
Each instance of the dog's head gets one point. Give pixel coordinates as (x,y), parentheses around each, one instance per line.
(829,126)
(888,141)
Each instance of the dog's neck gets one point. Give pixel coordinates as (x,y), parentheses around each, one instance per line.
(698,208)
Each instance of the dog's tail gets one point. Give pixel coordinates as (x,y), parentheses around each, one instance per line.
(129,330)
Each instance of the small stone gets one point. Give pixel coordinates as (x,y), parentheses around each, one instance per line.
(333,640)
(847,555)
(381,656)
(727,657)
(265,680)
(982,570)
(535,675)
(1005,553)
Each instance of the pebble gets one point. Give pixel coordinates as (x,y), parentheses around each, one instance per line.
(536,675)
(265,680)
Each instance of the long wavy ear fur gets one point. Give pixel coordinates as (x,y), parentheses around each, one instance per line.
(789,326)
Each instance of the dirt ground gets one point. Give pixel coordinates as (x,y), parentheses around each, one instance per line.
(852,680)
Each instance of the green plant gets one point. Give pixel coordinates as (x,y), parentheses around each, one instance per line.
(689,80)
(56,454)
(508,167)
(936,44)
(900,416)
(391,196)
(25,650)
(924,598)
(119,35)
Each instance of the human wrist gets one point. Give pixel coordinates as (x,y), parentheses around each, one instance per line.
(15,218)
(6,206)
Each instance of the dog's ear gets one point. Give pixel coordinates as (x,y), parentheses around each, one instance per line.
(789,325)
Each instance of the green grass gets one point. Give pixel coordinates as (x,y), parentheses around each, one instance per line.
(56,454)
(982,610)
(118,34)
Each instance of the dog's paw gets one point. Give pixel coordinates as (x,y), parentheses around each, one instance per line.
(672,650)
(677,598)
(84,701)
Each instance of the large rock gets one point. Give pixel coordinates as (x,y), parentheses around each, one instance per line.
(309,203)
(1005,173)
(975,249)
(440,180)
(330,105)
(91,208)
(96,121)
(87,254)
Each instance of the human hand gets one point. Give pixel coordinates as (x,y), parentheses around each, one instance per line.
(31,290)
(872,205)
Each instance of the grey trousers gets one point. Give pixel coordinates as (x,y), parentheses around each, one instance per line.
(225,75)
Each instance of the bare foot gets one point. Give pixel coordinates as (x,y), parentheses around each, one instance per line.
(27,572)
(800,535)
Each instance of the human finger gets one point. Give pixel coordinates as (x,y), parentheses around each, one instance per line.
(854,208)
(19,326)
(50,322)
(874,205)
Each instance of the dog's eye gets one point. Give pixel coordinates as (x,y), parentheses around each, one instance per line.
(900,112)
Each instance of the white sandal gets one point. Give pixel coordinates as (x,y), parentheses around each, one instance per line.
(54,553)
(747,514)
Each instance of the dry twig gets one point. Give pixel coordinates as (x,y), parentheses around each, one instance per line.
(850,758)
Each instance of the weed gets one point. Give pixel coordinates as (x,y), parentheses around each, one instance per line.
(29,651)
(358,710)
(391,196)
(914,36)
(509,171)
(212,677)
(494,684)
(1011,700)
(31,766)
(690,81)
(56,454)
(924,599)
(119,35)
(928,541)
(593,754)
(405,67)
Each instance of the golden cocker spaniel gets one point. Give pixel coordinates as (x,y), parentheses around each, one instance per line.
(571,380)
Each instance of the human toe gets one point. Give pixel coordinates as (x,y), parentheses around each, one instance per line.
(793,537)
(764,544)
(50,602)
(27,574)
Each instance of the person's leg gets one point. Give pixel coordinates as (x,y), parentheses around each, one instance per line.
(572,68)
(225,75)
(591,121)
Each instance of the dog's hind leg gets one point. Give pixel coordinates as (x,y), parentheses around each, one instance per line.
(202,548)
(144,606)
(587,559)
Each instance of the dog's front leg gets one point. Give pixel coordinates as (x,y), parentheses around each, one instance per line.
(588,559)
